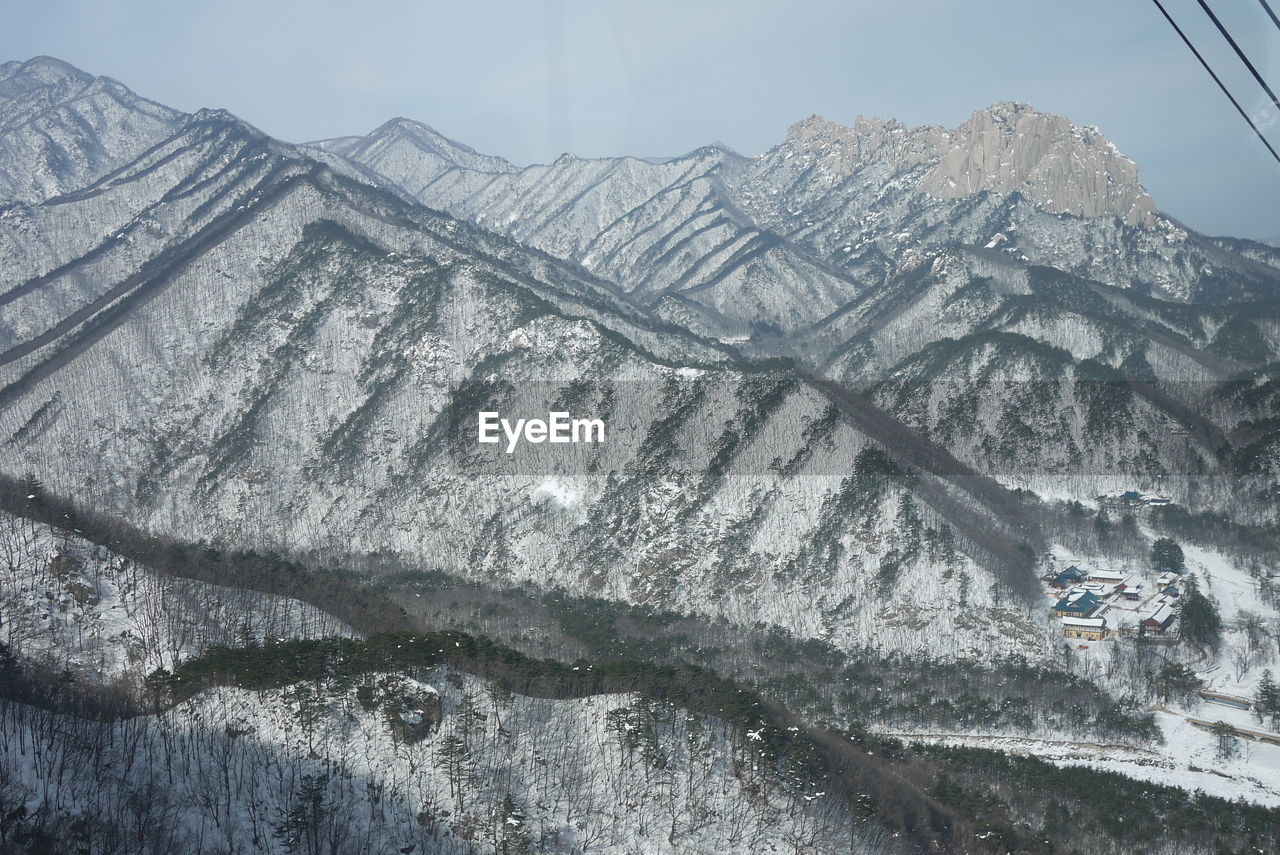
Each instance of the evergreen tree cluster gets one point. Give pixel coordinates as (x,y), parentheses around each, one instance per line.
(1167,556)
(1199,619)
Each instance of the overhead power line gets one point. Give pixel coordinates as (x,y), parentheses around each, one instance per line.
(1274,19)
(1216,79)
(1275,102)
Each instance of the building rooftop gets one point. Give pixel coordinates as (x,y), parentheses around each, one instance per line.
(1085,601)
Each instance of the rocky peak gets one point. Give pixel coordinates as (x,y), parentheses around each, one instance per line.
(28,88)
(400,126)
(714,152)
(62,128)
(841,149)
(221,116)
(1011,147)
(1008,147)
(32,88)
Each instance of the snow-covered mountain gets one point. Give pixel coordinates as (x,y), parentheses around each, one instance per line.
(269,726)
(855,248)
(788,237)
(832,380)
(414,151)
(1029,184)
(666,232)
(432,758)
(233,337)
(230,339)
(61,128)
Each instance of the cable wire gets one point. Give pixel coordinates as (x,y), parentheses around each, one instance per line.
(1216,79)
(1235,47)
(1274,19)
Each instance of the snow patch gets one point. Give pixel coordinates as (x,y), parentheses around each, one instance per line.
(557,490)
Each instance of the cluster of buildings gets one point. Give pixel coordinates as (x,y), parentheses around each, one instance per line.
(1131,500)
(1093,604)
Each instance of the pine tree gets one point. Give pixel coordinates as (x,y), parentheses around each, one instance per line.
(1266,703)
(470,719)
(456,759)
(1200,622)
(301,829)
(1167,557)
(1176,681)
(908,527)
(1102,526)
(514,837)
(10,674)
(32,488)
(1226,740)
(947,544)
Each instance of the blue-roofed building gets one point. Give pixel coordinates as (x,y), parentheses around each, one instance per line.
(1077,604)
(1069,577)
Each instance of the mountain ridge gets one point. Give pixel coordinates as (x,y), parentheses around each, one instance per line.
(594,258)
(308,314)
(864,395)
(84,126)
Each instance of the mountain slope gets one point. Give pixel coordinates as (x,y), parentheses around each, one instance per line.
(420,756)
(61,128)
(413,152)
(72,607)
(1158,363)
(327,390)
(832,383)
(665,231)
(728,244)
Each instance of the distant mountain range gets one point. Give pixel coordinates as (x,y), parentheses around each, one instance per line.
(863,397)
(828,370)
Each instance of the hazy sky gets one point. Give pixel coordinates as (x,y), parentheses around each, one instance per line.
(529,80)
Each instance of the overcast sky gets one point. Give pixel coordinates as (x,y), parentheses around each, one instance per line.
(529,80)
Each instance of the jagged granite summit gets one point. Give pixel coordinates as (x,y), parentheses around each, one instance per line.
(1007,148)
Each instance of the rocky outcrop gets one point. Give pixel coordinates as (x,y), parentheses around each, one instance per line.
(1007,148)
(844,149)
(1062,169)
